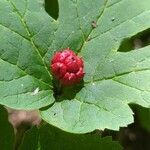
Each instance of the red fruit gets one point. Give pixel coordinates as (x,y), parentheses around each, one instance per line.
(67,67)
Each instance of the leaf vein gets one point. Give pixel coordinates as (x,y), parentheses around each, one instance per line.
(130,86)
(99,17)
(116,75)
(130,19)
(29,34)
(27,73)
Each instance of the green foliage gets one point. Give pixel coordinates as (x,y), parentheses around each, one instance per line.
(95,30)
(55,139)
(7,136)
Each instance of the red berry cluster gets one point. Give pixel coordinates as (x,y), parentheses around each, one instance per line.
(67,67)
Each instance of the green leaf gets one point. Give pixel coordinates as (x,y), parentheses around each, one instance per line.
(48,137)
(7,136)
(113,78)
(26,32)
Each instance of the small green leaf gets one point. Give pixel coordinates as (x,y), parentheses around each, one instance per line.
(7,136)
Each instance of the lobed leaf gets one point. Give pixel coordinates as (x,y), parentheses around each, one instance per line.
(113,79)
(95,30)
